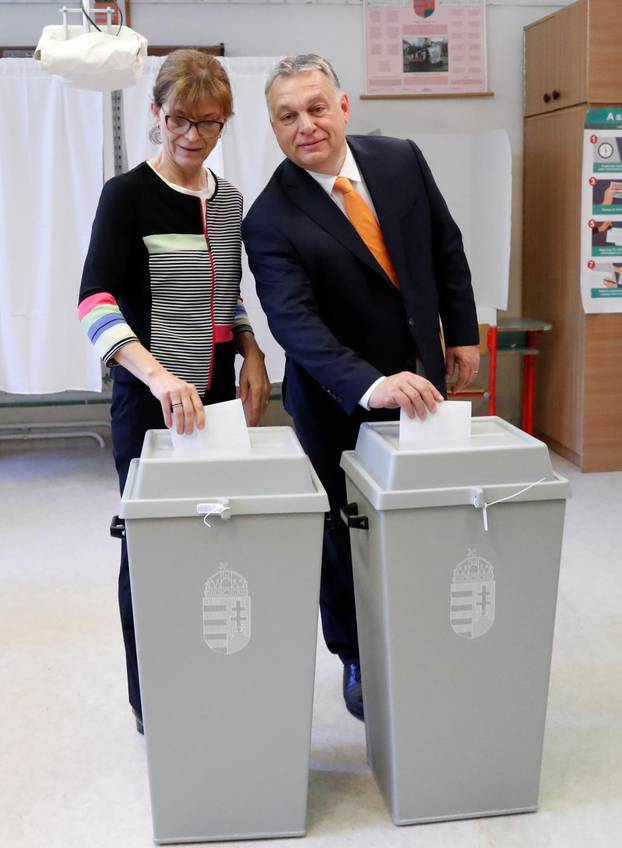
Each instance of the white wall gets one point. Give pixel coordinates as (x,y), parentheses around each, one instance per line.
(336,31)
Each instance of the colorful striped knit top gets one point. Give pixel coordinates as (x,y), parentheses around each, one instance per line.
(164,268)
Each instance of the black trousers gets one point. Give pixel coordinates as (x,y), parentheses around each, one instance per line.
(134,410)
(325,431)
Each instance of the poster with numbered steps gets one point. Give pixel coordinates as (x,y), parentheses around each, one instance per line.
(601,211)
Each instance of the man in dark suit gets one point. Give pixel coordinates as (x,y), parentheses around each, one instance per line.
(353,286)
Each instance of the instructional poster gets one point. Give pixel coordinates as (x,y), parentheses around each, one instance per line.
(426,46)
(601,211)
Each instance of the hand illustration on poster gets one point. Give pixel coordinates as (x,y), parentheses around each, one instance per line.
(606,238)
(606,197)
(604,275)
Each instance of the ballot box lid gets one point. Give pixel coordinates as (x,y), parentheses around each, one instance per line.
(497,454)
(275,469)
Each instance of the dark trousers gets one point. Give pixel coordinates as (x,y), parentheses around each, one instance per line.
(134,410)
(325,431)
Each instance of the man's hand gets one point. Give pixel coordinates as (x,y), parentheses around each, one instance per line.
(414,394)
(466,359)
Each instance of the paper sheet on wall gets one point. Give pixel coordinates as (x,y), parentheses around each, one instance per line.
(474,174)
(426,46)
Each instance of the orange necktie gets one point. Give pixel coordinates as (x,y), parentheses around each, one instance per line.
(364,222)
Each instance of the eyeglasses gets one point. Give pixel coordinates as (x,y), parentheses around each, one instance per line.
(180,126)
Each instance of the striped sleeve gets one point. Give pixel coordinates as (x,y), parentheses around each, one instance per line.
(105,325)
(241,324)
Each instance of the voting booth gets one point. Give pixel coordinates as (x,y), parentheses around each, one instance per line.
(456,550)
(225,555)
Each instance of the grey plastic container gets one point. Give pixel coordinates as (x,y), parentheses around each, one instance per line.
(226,626)
(455,622)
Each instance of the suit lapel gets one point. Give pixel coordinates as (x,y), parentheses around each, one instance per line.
(388,201)
(311,199)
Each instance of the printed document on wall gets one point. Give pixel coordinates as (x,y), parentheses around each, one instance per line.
(426,46)
(601,211)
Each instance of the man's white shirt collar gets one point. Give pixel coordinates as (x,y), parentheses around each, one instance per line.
(349,169)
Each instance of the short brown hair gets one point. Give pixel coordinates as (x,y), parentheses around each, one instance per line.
(190,75)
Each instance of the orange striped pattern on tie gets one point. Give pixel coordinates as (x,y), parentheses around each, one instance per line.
(363,220)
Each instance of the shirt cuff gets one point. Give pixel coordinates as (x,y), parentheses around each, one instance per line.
(364,401)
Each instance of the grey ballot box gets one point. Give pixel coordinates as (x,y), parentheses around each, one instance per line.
(455,621)
(225,557)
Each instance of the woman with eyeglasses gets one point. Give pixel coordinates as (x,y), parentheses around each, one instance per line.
(160,293)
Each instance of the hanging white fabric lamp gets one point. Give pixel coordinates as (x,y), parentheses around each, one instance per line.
(92,59)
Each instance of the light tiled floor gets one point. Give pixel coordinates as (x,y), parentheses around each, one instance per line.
(72,767)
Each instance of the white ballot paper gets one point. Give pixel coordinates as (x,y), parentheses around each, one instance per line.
(225,432)
(449,425)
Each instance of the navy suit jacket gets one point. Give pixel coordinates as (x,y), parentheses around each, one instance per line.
(328,302)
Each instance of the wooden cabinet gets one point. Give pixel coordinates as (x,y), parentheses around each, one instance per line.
(578,408)
(555,61)
(572,57)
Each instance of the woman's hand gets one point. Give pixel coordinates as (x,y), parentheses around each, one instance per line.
(174,394)
(180,401)
(254,383)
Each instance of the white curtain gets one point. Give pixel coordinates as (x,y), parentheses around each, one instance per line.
(50,181)
(246,156)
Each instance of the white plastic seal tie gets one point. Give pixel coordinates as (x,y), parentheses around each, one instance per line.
(479,501)
(213,508)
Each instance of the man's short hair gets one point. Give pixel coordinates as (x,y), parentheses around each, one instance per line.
(292,65)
